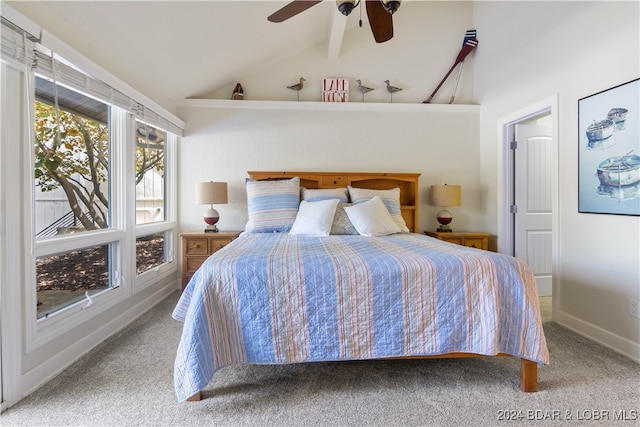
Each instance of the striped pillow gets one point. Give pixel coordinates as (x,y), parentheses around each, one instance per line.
(272,205)
(316,195)
(390,198)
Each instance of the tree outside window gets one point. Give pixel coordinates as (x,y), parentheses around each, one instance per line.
(71,156)
(150,167)
(71,174)
(72,192)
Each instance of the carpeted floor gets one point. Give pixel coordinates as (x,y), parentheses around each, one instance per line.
(128,381)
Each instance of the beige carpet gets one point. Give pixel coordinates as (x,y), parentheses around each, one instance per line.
(128,381)
(545,308)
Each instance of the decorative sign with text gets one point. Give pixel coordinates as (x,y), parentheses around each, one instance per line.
(335,90)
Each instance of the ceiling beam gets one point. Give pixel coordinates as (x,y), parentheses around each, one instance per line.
(338,25)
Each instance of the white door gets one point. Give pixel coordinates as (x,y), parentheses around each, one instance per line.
(533,200)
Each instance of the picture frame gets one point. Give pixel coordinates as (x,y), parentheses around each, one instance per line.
(609,151)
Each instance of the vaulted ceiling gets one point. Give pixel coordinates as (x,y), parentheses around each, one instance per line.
(149,43)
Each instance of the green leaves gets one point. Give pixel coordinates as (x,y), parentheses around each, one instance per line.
(72,153)
(52,163)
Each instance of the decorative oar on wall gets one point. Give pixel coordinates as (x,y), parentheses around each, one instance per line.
(469,43)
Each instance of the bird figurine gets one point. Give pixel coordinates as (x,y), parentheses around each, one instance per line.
(363,89)
(392,89)
(298,86)
(238,92)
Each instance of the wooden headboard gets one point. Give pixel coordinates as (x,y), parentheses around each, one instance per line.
(406,182)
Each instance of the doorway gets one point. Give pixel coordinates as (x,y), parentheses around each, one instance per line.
(531,206)
(529,190)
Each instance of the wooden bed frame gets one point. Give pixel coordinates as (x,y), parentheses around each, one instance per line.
(409,191)
(406,182)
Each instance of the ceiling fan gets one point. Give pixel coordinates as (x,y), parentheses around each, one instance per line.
(378,11)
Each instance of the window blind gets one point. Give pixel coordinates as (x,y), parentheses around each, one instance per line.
(20,47)
(17,44)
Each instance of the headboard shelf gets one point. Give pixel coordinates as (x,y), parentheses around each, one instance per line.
(406,182)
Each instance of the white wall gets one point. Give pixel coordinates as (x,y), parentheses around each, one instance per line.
(534,50)
(222,144)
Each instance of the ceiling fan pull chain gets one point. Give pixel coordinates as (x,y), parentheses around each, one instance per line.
(360,9)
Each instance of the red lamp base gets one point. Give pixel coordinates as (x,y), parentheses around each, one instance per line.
(444,218)
(211,218)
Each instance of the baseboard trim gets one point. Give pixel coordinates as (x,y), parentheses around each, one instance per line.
(601,336)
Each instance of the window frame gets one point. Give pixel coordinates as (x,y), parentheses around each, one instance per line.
(122,233)
(168,226)
(43,330)
(26,365)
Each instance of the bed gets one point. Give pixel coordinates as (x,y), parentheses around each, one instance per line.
(302,284)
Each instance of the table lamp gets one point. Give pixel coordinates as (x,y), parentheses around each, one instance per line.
(211,193)
(445,196)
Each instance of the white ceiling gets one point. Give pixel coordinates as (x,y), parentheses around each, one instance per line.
(149,43)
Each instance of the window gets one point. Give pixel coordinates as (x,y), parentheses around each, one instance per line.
(68,211)
(70,277)
(151,250)
(150,167)
(71,156)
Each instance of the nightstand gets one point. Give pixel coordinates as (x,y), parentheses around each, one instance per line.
(197,247)
(472,240)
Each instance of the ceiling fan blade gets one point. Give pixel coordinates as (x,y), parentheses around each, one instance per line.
(380,20)
(291,9)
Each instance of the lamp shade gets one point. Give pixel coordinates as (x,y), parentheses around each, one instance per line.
(211,193)
(446,195)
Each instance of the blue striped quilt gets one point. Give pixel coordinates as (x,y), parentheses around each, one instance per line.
(271,298)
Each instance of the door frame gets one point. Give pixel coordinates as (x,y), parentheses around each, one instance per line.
(506,179)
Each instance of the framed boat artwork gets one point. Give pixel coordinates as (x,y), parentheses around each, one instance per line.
(609,151)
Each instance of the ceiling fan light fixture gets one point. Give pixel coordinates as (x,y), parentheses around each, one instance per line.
(346,6)
(391,5)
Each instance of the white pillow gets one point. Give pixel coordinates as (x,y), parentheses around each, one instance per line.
(371,218)
(390,198)
(315,218)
